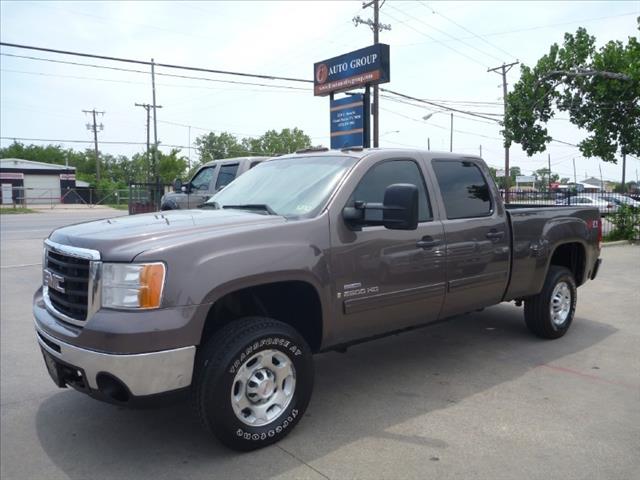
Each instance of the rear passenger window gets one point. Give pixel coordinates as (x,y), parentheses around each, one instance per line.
(372,186)
(464,190)
(226,175)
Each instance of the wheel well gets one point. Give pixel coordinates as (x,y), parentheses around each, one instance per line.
(293,302)
(571,256)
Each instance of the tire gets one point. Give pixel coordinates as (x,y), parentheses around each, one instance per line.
(559,294)
(252,382)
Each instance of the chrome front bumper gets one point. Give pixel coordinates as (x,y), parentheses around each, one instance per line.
(143,374)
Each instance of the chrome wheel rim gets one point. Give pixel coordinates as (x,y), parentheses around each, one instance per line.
(560,304)
(263,387)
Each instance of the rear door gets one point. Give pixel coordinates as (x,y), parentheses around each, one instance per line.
(476,233)
(387,279)
(226,175)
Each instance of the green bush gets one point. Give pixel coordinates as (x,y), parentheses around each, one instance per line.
(626,224)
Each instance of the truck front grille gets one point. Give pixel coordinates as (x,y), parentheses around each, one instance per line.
(71,282)
(68,292)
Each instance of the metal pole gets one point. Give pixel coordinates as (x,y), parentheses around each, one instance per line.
(575,177)
(549,162)
(480,151)
(428,143)
(376,132)
(155,134)
(367,117)
(451,136)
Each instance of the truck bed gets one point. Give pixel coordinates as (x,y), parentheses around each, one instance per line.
(535,233)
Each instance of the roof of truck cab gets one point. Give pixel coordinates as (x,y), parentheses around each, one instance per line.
(233,160)
(361,153)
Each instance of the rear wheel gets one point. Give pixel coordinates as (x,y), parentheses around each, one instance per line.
(550,313)
(253,382)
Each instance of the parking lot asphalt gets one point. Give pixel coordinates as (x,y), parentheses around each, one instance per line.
(473,397)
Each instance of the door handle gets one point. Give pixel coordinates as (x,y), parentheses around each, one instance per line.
(494,235)
(427,242)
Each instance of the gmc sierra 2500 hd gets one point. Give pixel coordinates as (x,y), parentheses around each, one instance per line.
(304,253)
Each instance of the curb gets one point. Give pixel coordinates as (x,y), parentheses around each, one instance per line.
(617,243)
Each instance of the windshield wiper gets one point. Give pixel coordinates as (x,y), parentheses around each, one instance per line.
(253,206)
(213,205)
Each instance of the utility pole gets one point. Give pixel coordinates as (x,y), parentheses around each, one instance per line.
(94,128)
(549,162)
(189,158)
(480,150)
(503,70)
(148,108)
(428,143)
(451,135)
(601,180)
(624,171)
(155,133)
(377,27)
(575,177)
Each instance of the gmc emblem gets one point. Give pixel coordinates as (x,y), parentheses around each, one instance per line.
(53,280)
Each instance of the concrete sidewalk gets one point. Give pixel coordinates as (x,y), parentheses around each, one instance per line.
(476,397)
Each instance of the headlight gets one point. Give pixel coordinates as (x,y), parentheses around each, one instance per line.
(126,285)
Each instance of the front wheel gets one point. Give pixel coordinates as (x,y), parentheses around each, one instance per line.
(253,382)
(550,313)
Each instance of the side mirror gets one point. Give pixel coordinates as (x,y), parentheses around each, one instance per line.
(399,209)
(177,185)
(183,189)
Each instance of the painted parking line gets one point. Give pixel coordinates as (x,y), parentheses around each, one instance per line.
(21,265)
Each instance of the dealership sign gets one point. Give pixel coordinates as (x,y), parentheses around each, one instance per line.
(347,122)
(367,66)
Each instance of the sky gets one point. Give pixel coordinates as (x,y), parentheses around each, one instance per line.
(439,51)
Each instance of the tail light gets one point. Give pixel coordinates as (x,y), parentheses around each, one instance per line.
(598,224)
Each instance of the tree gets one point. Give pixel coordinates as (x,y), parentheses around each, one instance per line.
(599,89)
(213,146)
(272,142)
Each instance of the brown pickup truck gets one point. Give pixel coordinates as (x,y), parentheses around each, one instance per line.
(304,253)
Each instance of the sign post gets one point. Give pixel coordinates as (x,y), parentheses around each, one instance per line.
(350,116)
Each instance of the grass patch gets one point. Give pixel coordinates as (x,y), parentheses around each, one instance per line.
(120,206)
(15,211)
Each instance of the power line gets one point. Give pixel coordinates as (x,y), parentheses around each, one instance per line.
(415,99)
(467,30)
(536,27)
(55,140)
(438,41)
(131,70)
(468,45)
(143,62)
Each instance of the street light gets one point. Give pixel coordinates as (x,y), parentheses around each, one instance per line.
(427,117)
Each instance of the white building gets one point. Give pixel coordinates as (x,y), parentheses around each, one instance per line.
(27,182)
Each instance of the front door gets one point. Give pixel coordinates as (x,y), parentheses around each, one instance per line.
(201,187)
(386,280)
(477,237)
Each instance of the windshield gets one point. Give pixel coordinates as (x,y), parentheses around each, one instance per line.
(291,187)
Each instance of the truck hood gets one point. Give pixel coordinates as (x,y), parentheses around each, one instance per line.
(123,238)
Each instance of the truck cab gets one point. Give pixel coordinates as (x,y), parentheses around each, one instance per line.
(208,179)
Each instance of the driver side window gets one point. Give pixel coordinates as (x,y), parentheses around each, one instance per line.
(372,186)
(202,180)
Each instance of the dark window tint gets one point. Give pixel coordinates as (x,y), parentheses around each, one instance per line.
(226,175)
(202,179)
(464,190)
(372,186)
